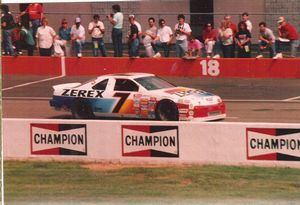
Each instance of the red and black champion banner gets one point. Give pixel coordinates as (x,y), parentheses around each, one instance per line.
(150,141)
(282,144)
(58,139)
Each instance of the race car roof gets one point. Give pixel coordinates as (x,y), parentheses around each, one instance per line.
(130,75)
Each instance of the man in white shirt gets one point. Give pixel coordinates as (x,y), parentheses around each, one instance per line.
(182,31)
(44,38)
(96,29)
(117,21)
(266,40)
(163,39)
(149,36)
(78,36)
(245,17)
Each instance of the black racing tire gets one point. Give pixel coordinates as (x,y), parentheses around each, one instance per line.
(166,110)
(81,109)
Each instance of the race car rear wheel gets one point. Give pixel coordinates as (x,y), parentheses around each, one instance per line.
(81,109)
(167,110)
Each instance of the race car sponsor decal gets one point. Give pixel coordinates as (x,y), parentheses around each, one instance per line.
(273,144)
(150,141)
(83,93)
(181,92)
(58,139)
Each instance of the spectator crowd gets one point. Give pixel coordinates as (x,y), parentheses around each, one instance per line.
(30,29)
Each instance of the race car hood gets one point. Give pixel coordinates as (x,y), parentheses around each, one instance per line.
(191,95)
(66,85)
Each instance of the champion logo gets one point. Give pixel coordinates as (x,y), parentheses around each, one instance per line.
(273,144)
(150,141)
(58,139)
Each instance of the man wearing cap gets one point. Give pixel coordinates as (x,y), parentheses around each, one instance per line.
(78,36)
(287,33)
(96,29)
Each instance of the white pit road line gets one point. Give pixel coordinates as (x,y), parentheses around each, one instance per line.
(63,74)
(293,98)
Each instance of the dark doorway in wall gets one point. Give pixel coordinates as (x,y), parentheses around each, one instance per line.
(198,21)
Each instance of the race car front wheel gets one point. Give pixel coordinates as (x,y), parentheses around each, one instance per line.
(81,109)
(167,110)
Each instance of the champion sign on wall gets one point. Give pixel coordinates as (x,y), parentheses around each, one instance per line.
(58,139)
(273,144)
(150,141)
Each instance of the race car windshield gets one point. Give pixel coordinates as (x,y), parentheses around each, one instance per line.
(153,83)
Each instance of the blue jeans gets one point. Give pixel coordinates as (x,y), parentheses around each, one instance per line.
(133,47)
(271,48)
(35,24)
(217,47)
(78,44)
(164,46)
(117,42)
(181,47)
(7,43)
(293,43)
(98,43)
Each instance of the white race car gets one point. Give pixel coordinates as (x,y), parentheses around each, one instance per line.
(136,95)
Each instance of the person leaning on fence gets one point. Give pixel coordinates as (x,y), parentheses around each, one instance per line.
(7,25)
(209,38)
(233,27)
(266,40)
(64,33)
(287,33)
(27,39)
(163,39)
(148,36)
(45,38)
(116,20)
(243,41)
(133,38)
(78,36)
(96,29)
(194,47)
(182,30)
(226,36)
(140,33)
(35,12)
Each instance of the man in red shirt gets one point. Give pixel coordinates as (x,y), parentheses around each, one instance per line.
(233,27)
(36,13)
(287,33)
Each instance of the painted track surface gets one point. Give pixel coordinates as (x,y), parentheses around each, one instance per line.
(247,100)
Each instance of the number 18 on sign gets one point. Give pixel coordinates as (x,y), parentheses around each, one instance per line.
(210,67)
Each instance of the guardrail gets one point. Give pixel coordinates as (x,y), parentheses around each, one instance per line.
(200,67)
(261,144)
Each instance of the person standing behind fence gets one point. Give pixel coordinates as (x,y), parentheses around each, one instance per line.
(36,14)
(210,38)
(226,35)
(44,38)
(163,39)
(27,37)
(117,21)
(133,38)
(64,33)
(7,25)
(96,29)
(78,36)
(182,31)
(243,41)
(287,32)
(266,40)
(246,19)
(233,27)
(149,36)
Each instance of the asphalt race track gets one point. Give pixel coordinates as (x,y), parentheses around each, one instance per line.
(247,100)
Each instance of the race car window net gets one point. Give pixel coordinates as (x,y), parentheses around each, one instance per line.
(101,85)
(153,83)
(125,85)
